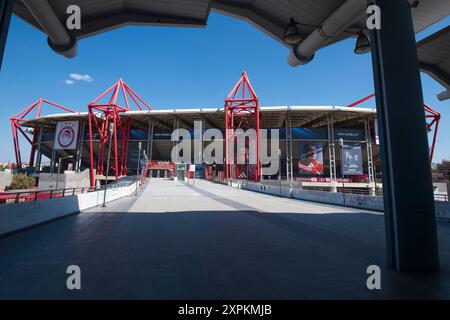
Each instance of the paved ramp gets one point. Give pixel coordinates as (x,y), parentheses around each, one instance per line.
(210,241)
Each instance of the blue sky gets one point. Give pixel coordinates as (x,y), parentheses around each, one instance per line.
(188,67)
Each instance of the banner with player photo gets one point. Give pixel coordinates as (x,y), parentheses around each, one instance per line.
(311,159)
(351,159)
(66,136)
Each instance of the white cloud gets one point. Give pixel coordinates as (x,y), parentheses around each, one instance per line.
(81,77)
(69,82)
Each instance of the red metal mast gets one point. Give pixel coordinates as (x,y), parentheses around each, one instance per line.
(435,117)
(432,116)
(101,115)
(241,107)
(21,117)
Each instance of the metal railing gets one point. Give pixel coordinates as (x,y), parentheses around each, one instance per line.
(27,196)
(341,188)
(35,195)
(348,190)
(441,197)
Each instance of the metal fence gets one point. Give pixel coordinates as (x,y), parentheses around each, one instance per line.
(340,187)
(35,195)
(441,197)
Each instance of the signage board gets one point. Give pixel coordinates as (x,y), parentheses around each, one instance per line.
(66,136)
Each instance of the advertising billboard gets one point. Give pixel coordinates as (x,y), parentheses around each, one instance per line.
(66,135)
(200,171)
(351,159)
(311,159)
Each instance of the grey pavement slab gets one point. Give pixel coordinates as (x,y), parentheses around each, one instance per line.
(210,241)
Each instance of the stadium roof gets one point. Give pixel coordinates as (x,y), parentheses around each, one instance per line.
(273,117)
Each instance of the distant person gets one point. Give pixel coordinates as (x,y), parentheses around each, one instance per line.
(309,164)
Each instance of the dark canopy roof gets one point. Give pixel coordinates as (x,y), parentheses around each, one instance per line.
(271,16)
(434,56)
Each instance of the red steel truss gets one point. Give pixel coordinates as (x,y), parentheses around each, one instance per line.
(432,117)
(21,117)
(241,106)
(100,116)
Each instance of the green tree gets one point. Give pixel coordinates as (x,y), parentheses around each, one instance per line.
(22,181)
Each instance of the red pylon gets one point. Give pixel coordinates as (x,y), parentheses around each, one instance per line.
(109,112)
(23,116)
(241,112)
(432,119)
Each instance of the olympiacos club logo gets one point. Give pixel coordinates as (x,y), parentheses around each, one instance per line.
(66,136)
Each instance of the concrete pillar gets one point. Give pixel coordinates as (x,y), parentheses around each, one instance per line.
(198,142)
(6,7)
(53,162)
(331,153)
(80,147)
(150,133)
(39,156)
(448,190)
(408,194)
(370,166)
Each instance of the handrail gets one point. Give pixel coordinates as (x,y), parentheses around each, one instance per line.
(441,197)
(341,188)
(36,195)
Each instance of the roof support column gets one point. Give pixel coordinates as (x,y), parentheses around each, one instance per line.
(37,167)
(79,157)
(331,153)
(176,126)
(370,169)
(408,195)
(151,130)
(289,156)
(6,7)
(53,162)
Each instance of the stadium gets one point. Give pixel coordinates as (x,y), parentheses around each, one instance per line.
(346,207)
(344,140)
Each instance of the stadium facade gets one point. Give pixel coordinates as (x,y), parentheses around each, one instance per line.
(319,145)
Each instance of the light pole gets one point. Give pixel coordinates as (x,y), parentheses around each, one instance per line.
(247,163)
(137,173)
(59,168)
(111,131)
(375,179)
(341,154)
(144,173)
(279,168)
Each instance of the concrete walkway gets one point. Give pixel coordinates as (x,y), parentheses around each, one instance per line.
(211,241)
